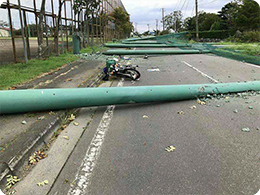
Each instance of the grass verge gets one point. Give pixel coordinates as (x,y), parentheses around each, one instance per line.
(14,74)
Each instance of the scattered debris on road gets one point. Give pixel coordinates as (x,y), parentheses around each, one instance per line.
(144,116)
(24,122)
(246,129)
(250,107)
(153,70)
(170,149)
(235,111)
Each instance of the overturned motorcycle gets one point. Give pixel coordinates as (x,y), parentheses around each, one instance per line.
(115,69)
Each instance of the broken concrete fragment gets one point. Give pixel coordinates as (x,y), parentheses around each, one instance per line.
(246,129)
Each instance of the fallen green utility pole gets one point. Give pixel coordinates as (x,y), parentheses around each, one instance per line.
(163,52)
(144,45)
(20,101)
(141,42)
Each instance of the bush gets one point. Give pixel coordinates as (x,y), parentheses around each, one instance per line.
(250,36)
(246,36)
(216,34)
(164,32)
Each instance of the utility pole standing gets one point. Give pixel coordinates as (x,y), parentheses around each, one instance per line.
(136,26)
(163,17)
(197,21)
(156,26)
(148,27)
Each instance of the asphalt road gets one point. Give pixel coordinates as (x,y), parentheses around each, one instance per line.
(123,149)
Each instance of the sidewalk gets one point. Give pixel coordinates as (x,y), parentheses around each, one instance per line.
(22,134)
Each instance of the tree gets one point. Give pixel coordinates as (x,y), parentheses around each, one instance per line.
(90,6)
(248,16)
(173,21)
(207,21)
(228,15)
(122,22)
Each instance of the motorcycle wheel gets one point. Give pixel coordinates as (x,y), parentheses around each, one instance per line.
(134,74)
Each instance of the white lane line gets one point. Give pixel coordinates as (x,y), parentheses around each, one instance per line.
(82,178)
(202,73)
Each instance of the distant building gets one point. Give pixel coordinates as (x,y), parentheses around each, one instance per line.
(4,32)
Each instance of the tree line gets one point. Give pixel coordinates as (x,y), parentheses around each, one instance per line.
(238,15)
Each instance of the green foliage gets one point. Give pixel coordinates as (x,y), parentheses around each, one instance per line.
(228,15)
(246,36)
(248,15)
(89,5)
(13,74)
(250,49)
(173,21)
(217,34)
(206,20)
(122,21)
(164,32)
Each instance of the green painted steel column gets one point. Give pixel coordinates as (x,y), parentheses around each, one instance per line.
(19,101)
(76,44)
(143,52)
(144,45)
(141,42)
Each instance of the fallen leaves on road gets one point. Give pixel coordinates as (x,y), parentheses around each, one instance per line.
(170,149)
(201,102)
(193,107)
(51,113)
(69,79)
(144,116)
(72,117)
(76,124)
(11,180)
(246,129)
(66,137)
(48,81)
(36,157)
(41,118)
(180,112)
(45,182)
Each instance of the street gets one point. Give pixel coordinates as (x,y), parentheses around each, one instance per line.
(213,155)
(122,149)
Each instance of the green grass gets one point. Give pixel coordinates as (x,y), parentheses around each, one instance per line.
(14,74)
(250,49)
(244,48)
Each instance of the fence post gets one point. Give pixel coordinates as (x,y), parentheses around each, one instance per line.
(11,29)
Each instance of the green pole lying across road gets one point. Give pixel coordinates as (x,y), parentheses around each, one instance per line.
(143,52)
(141,42)
(144,45)
(19,101)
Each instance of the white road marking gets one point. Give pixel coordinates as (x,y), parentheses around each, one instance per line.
(87,166)
(202,73)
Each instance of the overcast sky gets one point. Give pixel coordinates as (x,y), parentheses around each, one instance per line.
(145,12)
(142,12)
